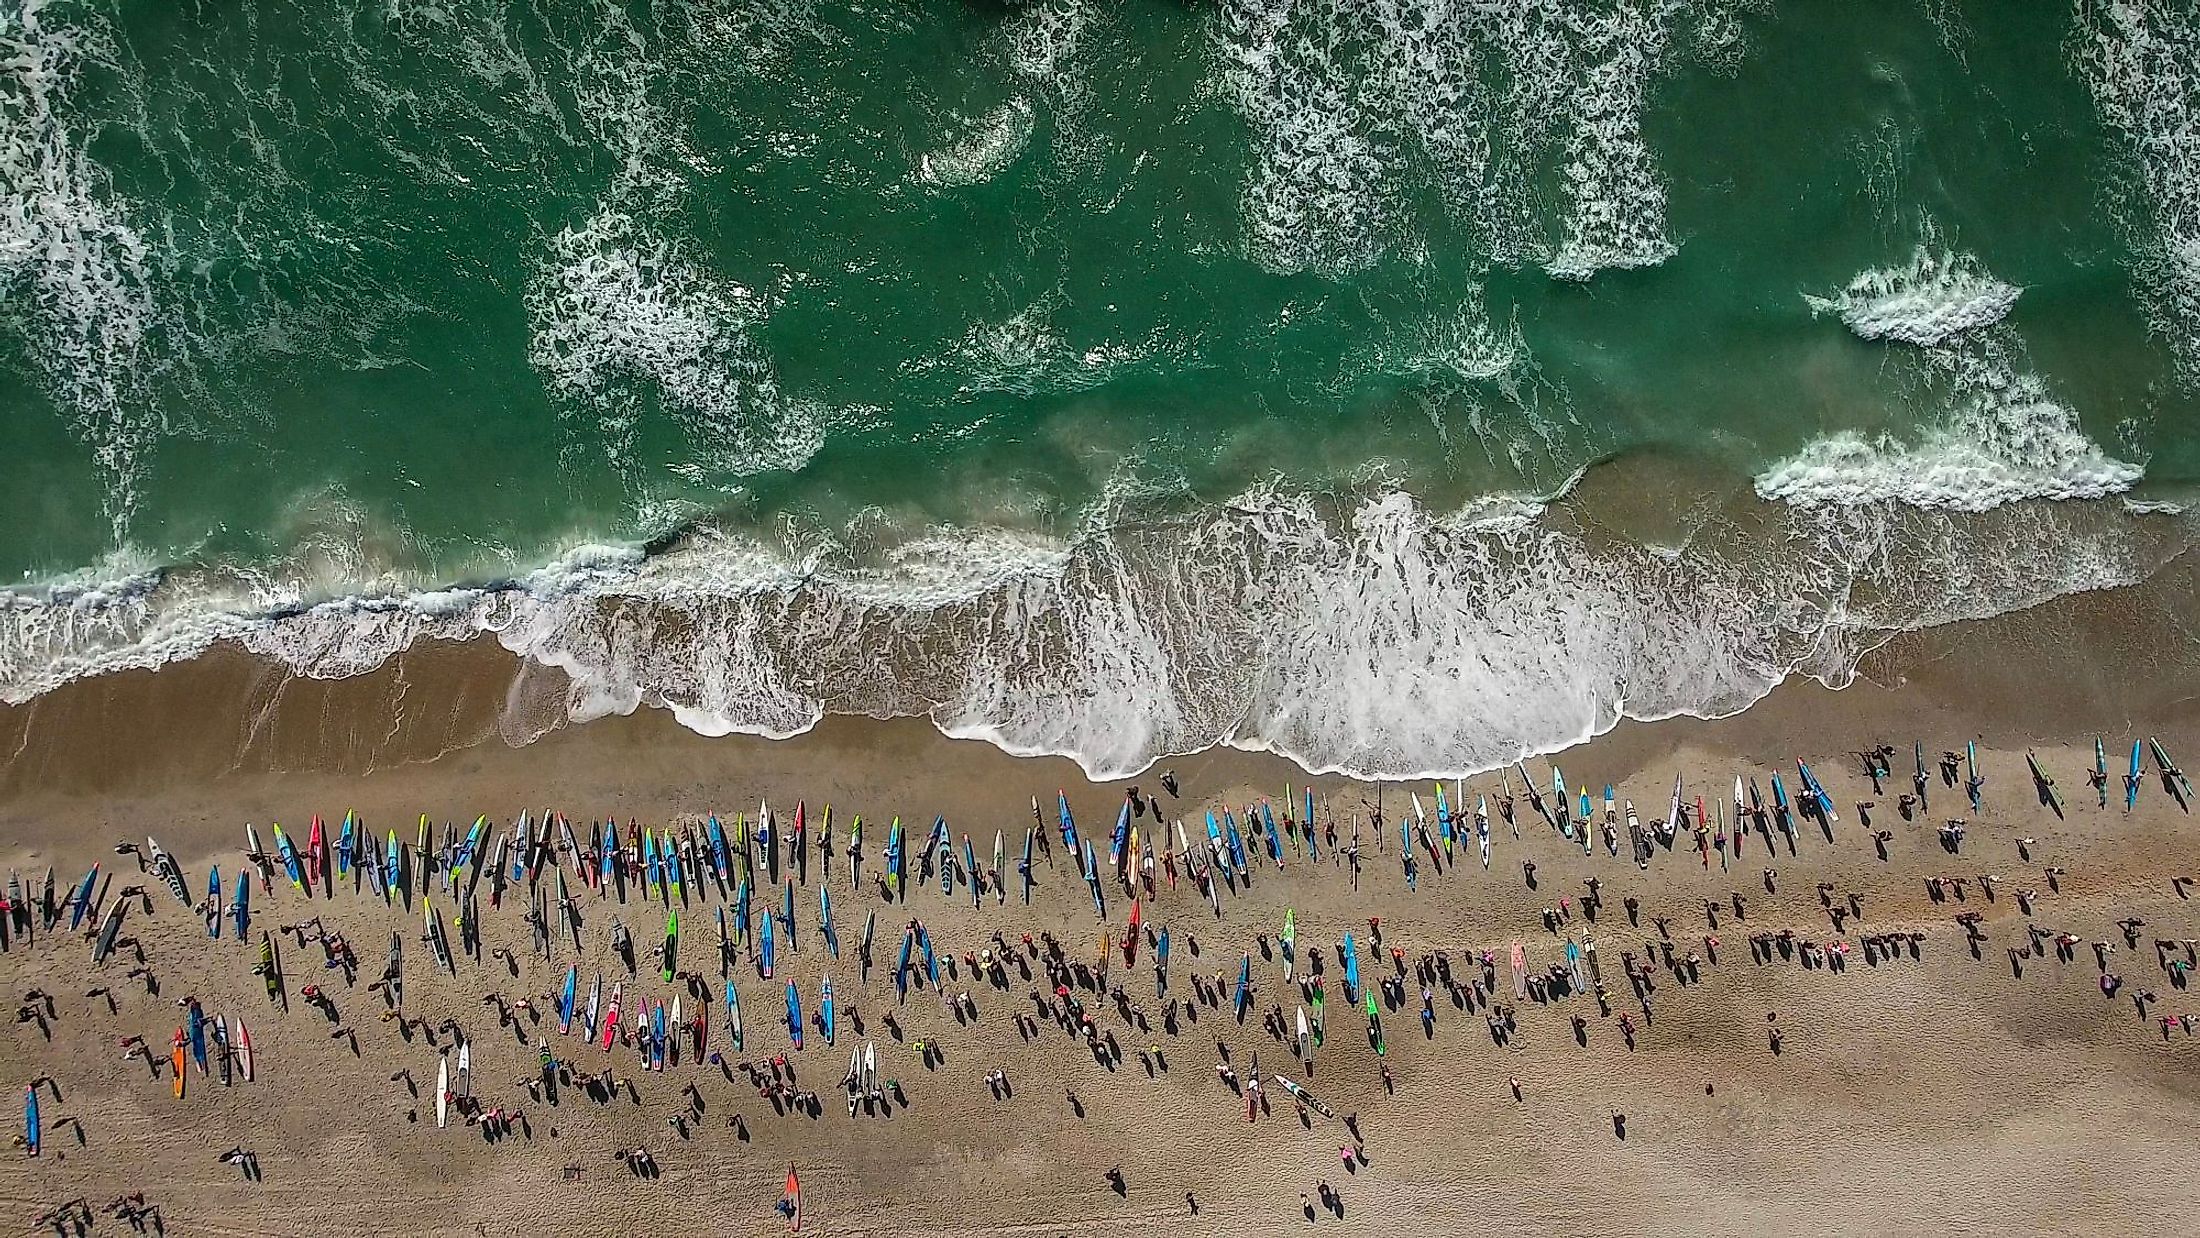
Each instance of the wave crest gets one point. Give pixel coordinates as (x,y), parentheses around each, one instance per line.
(2004,437)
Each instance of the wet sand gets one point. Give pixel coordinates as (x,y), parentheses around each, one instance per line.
(1910,1096)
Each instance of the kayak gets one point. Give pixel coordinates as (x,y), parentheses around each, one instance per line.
(267,964)
(825,1009)
(939,851)
(674,867)
(770,951)
(893,858)
(672,944)
(1027,865)
(1300,1094)
(2100,769)
(611,1016)
(221,1048)
(2131,781)
(289,856)
(1810,784)
(2045,785)
(1092,882)
(443,1093)
(80,903)
(2169,768)
(240,906)
(108,929)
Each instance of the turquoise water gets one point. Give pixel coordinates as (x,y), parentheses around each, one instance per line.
(1112,379)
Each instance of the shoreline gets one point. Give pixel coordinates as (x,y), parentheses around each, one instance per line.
(1698,634)
(2075,666)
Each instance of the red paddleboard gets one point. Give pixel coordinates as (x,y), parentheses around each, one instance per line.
(794,1195)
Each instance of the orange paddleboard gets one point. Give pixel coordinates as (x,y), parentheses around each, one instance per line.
(177,1059)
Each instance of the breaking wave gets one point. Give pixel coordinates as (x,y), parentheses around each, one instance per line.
(1357,632)
(2003,438)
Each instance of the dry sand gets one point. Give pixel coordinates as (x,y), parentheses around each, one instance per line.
(1949,1092)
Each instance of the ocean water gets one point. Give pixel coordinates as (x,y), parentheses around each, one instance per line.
(1401,385)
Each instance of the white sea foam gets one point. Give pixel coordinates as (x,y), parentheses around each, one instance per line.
(619,310)
(78,277)
(2003,438)
(1355,106)
(982,150)
(2142,60)
(1045,37)
(1951,471)
(1931,300)
(1024,354)
(1362,633)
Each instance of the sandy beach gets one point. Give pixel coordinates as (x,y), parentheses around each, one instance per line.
(1953,1084)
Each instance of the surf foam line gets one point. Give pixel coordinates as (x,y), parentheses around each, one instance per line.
(1358,108)
(2003,437)
(2139,58)
(77,279)
(1363,634)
